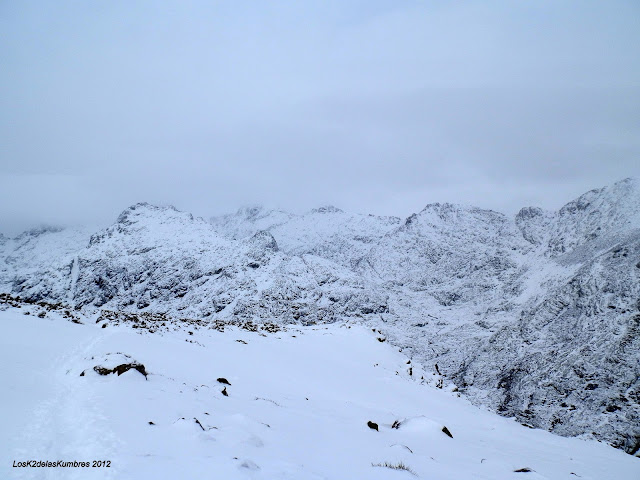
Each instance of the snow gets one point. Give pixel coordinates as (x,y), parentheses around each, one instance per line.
(297,408)
(522,314)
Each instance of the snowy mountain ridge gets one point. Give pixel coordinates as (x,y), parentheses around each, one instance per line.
(536,317)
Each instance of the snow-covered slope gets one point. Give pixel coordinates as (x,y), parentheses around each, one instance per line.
(601,214)
(162,260)
(327,231)
(197,402)
(453,253)
(46,253)
(535,316)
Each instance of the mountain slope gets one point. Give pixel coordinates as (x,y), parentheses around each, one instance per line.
(327,232)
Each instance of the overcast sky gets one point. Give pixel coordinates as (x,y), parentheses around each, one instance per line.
(374,106)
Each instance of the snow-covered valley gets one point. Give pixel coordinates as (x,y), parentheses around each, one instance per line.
(297,406)
(535,317)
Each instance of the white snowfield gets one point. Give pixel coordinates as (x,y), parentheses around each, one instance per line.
(297,406)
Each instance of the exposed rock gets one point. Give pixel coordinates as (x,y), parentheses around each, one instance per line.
(120,369)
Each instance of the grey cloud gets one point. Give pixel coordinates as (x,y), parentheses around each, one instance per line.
(378,107)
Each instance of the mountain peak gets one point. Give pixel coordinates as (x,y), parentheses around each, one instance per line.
(453,213)
(152,222)
(264,240)
(37,231)
(327,209)
(633,182)
(144,210)
(619,195)
(601,212)
(250,211)
(446,207)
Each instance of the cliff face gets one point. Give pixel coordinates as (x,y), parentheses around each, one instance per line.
(535,316)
